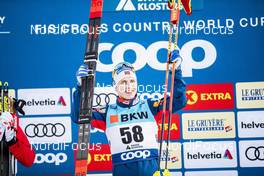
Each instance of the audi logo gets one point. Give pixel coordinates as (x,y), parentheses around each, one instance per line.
(103,99)
(255,153)
(45,130)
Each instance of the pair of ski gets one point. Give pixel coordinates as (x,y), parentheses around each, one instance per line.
(87,88)
(7,160)
(174,24)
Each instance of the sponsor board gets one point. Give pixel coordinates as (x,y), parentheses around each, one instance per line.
(175,173)
(250,95)
(99,174)
(47,129)
(208,125)
(212,173)
(104,96)
(251,153)
(46,101)
(144,5)
(210,96)
(50,158)
(174,127)
(99,158)
(174,156)
(250,124)
(220,154)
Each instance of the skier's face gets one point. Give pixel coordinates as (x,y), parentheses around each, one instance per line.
(127,88)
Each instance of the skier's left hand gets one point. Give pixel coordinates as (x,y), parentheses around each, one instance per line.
(7,123)
(82,72)
(175,58)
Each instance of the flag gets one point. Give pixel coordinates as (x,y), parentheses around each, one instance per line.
(187,6)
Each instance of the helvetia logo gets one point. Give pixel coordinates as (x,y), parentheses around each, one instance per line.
(61,101)
(213,155)
(46,102)
(228,155)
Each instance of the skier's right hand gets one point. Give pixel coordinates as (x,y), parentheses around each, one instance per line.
(82,72)
(7,124)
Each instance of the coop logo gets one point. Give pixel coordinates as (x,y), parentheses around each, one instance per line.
(250,95)
(210,96)
(46,101)
(134,155)
(149,55)
(51,158)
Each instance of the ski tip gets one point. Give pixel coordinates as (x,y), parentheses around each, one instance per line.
(96,9)
(80,167)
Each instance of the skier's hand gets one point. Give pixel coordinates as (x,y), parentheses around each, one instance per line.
(7,123)
(175,58)
(82,72)
(2,129)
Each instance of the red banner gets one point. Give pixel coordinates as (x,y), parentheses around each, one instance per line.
(100,159)
(174,127)
(210,96)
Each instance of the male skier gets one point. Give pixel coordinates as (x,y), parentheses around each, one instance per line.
(131,124)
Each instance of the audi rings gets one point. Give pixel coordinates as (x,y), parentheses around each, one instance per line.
(103,99)
(45,130)
(255,153)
